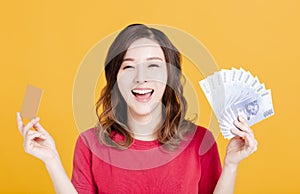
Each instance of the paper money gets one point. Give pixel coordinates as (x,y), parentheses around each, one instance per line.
(236,92)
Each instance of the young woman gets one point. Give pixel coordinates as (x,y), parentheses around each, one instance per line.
(142,142)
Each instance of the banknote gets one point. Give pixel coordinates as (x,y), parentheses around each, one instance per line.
(236,92)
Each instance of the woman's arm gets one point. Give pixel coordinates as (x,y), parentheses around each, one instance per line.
(60,180)
(40,144)
(227,180)
(239,148)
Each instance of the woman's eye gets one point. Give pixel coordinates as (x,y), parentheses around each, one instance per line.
(128,67)
(153,65)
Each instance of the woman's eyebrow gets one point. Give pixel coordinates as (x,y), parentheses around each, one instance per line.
(154,58)
(148,59)
(128,59)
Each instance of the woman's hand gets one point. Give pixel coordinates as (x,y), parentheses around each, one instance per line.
(242,145)
(37,142)
(40,144)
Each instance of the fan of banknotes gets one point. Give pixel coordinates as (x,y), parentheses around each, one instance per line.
(233,93)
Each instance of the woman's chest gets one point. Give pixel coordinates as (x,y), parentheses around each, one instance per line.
(179,175)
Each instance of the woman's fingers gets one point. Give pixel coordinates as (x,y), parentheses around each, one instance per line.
(35,134)
(250,142)
(239,133)
(24,129)
(252,145)
(243,121)
(243,125)
(33,123)
(30,125)
(20,123)
(39,128)
(32,140)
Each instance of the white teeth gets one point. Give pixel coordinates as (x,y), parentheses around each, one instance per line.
(142,91)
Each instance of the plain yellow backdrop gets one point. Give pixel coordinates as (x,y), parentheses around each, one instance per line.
(43,43)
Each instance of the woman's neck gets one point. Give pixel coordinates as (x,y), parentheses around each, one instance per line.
(144,126)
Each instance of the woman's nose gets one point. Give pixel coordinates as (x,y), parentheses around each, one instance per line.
(140,76)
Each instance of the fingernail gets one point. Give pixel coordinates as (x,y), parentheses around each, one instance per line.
(241,118)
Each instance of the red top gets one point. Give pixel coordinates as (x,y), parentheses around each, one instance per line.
(146,168)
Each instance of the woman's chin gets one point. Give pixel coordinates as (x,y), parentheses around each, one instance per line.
(139,113)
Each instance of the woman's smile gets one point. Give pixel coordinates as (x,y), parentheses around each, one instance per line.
(142,94)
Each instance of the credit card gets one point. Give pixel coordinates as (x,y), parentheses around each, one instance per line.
(31,102)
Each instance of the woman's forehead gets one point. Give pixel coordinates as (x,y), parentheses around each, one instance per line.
(144,48)
(143,42)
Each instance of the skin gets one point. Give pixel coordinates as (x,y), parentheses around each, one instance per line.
(143,67)
(142,115)
(40,144)
(239,147)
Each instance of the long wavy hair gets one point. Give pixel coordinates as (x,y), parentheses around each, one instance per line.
(112,119)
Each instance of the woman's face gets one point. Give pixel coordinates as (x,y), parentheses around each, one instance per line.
(142,77)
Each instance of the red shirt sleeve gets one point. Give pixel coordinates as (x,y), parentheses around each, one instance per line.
(82,177)
(210,164)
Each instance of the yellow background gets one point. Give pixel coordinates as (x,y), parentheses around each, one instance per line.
(43,42)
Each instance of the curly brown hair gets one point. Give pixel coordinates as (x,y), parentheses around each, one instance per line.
(113,117)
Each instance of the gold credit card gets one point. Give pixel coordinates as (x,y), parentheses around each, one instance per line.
(31,102)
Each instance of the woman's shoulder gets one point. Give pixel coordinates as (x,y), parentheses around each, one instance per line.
(89,132)
(202,132)
(204,139)
(197,132)
(88,137)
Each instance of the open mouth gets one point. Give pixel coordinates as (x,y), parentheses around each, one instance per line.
(142,95)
